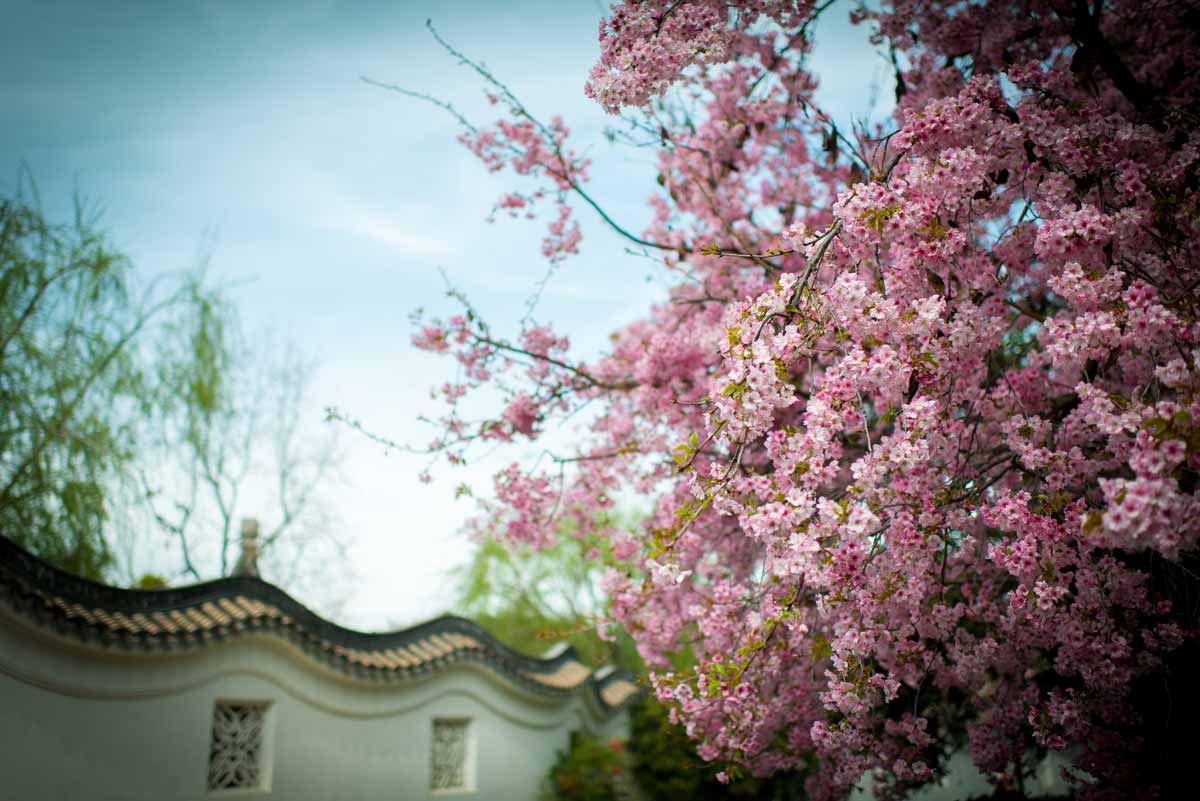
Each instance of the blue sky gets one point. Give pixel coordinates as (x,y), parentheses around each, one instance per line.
(242,130)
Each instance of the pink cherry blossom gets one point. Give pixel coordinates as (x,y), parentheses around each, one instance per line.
(921,410)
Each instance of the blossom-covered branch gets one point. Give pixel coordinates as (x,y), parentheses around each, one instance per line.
(919,423)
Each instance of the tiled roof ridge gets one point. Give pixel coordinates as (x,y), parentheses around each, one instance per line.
(196,614)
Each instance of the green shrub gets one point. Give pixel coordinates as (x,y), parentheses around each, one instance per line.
(659,763)
(667,768)
(590,770)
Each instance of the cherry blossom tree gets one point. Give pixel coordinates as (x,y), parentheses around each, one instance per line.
(920,419)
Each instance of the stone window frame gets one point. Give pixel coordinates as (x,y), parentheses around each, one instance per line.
(470,754)
(266,749)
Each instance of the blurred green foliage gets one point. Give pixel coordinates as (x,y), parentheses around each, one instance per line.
(667,767)
(74,387)
(150,581)
(589,770)
(131,407)
(658,763)
(532,600)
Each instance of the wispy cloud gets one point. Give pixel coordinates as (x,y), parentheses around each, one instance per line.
(388,231)
(337,211)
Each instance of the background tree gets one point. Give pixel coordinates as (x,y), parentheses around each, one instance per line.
(532,600)
(133,409)
(233,441)
(74,388)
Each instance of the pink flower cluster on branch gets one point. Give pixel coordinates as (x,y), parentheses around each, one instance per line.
(527,146)
(919,424)
(645,47)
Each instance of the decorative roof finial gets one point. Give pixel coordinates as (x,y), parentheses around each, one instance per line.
(247,563)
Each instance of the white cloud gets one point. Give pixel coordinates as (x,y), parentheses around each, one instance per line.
(384,229)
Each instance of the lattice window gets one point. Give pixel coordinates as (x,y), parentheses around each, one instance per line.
(236,759)
(450,755)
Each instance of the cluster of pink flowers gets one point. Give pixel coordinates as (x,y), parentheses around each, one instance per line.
(645,46)
(531,148)
(919,425)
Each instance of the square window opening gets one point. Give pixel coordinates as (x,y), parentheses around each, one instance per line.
(237,757)
(452,756)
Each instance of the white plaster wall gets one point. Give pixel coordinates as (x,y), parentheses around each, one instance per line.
(76,724)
